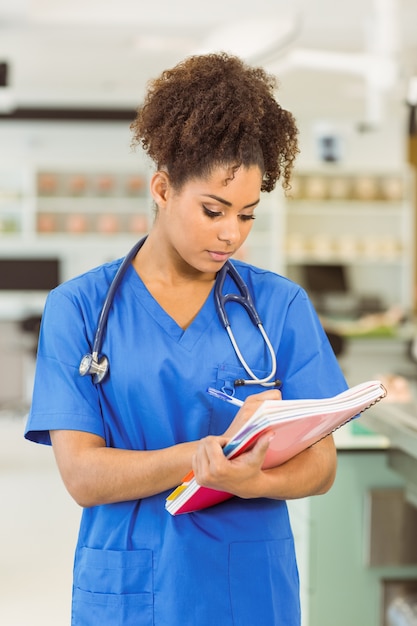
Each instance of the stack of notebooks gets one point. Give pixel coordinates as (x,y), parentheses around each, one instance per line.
(295,424)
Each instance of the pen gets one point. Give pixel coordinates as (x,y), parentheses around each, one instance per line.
(224,396)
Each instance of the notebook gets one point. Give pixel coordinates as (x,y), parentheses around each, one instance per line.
(295,424)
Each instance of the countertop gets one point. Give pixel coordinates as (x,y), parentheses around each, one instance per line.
(390,423)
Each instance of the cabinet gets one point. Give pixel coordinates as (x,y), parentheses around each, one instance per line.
(341,584)
(332,535)
(362,222)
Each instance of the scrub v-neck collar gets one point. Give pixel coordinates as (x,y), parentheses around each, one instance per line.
(188,337)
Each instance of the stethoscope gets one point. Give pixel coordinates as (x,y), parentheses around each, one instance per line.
(98,366)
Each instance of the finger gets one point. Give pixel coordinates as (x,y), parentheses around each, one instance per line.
(208,455)
(260,448)
(269,394)
(251,404)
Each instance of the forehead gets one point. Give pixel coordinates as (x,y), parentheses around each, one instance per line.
(227,179)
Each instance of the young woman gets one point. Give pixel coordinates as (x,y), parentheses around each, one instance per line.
(218,138)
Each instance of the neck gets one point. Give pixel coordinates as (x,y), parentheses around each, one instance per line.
(157,261)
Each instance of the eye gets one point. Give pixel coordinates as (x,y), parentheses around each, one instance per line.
(210,213)
(246,218)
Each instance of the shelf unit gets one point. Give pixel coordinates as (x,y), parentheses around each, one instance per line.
(89,216)
(85,216)
(83,203)
(363,221)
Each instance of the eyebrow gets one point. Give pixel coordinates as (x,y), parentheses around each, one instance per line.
(227,203)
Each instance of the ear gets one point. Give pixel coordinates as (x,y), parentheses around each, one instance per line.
(159,187)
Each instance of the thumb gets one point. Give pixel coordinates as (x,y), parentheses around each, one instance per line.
(262,445)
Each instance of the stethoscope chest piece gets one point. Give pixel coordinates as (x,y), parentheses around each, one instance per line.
(97,368)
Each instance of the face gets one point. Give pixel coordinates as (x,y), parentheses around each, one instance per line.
(207,221)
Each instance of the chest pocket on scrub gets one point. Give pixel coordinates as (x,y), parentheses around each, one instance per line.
(222,412)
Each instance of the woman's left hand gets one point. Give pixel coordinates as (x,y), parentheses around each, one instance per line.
(239,476)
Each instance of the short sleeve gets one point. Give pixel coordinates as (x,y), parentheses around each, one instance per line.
(62,398)
(309,366)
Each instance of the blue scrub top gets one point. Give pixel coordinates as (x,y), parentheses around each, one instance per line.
(135,564)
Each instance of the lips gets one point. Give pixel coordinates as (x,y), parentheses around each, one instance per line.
(219,256)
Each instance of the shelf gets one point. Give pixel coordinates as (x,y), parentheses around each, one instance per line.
(343,186)
(16,242)
(96,183)
(10,199)
(361,221)
(90,203)
(353,208)
(83,223)
(309,259)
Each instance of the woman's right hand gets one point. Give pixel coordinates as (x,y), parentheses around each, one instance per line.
(251,404)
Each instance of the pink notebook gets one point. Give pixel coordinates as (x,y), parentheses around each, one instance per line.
(296,424)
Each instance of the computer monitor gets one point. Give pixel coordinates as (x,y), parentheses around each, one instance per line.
(325,279)
(29,274)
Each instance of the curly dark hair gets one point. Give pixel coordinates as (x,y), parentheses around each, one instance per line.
(214,110)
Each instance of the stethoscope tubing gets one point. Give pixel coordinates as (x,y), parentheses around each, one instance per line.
(254,380)
(104,315)
(244,299)
(98,366)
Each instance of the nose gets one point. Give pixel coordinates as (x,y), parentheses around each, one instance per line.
(229,230)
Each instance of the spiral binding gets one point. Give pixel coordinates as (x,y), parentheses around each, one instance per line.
(381,397)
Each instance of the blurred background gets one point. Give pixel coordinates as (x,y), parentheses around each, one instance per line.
(73,194)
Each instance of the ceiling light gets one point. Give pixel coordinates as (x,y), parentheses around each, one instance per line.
(254,40)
